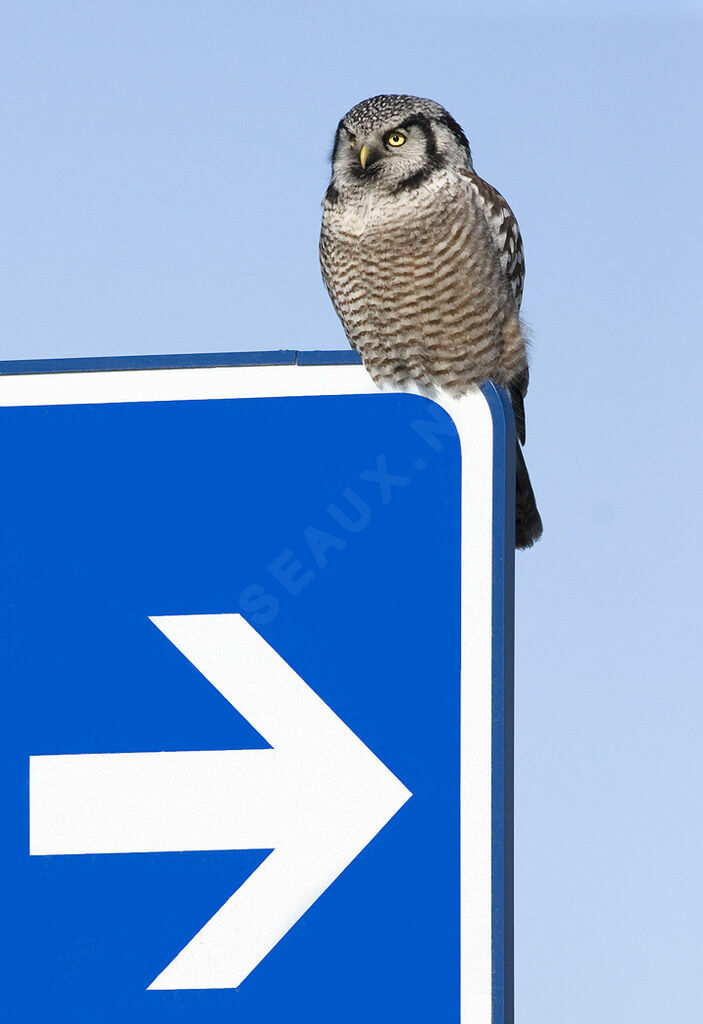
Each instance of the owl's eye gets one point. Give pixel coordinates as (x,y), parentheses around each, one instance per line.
(396,139)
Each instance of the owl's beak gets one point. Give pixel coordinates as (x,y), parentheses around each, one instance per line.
(369,155)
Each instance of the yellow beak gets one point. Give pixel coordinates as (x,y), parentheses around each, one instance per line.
(363,156)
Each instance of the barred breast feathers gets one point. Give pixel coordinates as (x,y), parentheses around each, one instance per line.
(416,282)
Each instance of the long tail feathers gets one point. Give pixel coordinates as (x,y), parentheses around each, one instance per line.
(528,523)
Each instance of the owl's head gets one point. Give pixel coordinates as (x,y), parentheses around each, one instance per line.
(396,143)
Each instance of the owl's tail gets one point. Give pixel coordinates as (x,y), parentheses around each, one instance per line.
(528,522)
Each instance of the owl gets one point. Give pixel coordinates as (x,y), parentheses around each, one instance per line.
(423,262)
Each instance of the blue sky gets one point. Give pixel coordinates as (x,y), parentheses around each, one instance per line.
(162,170)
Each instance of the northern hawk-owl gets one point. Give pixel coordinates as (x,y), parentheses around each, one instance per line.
(423,261)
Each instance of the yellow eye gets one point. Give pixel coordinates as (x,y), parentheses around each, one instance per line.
(352,143)
(396,139)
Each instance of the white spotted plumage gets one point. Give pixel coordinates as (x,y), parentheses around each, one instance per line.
(423,260)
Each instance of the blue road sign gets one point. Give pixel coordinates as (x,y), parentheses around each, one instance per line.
(255,646)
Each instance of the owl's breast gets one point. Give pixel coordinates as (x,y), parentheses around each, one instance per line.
(418,286)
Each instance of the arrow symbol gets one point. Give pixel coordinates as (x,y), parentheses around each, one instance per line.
(317,798)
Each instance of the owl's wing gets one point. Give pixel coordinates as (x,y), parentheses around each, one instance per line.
(506,233)
(518,390)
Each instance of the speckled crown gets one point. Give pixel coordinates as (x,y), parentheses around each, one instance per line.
(381,110)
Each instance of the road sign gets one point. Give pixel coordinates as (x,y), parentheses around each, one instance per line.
(255,648)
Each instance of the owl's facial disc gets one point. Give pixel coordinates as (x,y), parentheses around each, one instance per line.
(395,143)
(387,155)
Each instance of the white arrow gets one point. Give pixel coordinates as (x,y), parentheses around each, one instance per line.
(317,799)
